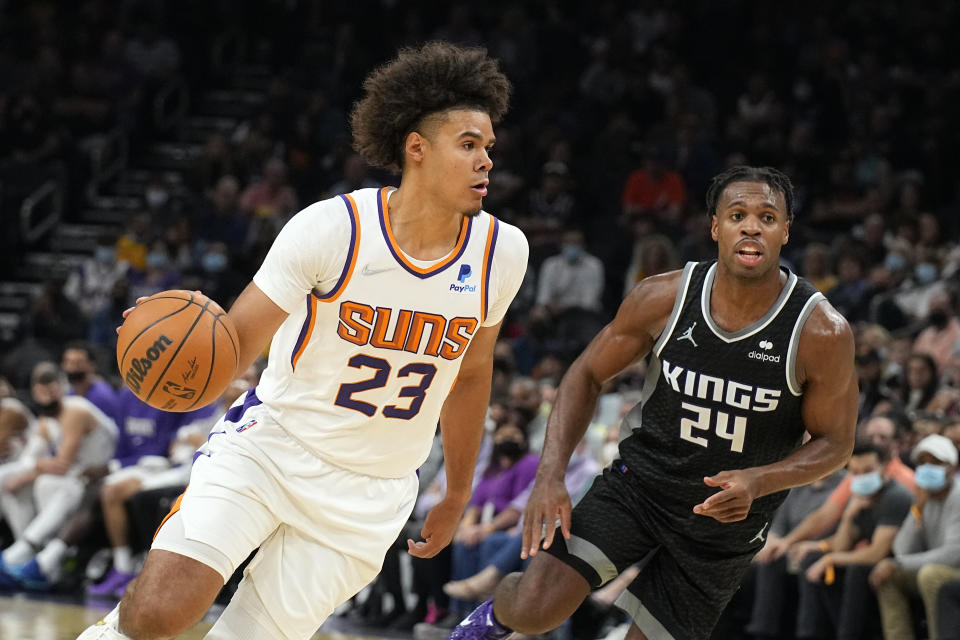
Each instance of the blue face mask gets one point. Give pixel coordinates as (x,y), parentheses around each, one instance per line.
(866,484)
(894,262)
(925,273)
(931,477)
(105,255)
(156,260)
(214,262)
(572,252)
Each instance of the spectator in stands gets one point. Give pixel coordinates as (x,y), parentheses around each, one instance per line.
(499,553)
(927,548)
(655,191)
(883,432)
(90,288)
(941,337)
(573,279)
(510,472)
(816,267)
(271,196)
(79,365)
(849,293)
(161,274)
(921,383)
(870,378)
(43,486)
(652,255)
(154,56)
(155,450)
(835,594)
(773,589)
(355,176)
(550,209)
(218,217)
(133,244)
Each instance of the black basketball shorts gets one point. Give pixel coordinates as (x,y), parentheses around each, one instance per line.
(690,565)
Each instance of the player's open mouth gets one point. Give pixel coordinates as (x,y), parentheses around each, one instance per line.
(750,254)
(481,187)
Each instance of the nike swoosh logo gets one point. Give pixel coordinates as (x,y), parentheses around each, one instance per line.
(367,271)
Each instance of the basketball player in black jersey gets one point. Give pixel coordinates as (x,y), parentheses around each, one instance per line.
(743,356)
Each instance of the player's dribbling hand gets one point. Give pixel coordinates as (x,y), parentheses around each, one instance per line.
(438,529)
(129,310)
(548,501)
(732,502)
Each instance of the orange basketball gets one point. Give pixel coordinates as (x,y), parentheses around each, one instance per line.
(177,350)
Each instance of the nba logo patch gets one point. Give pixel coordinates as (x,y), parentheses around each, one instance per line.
(246,425)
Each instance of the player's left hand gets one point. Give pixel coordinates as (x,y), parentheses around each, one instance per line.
(438,529)
(732,502)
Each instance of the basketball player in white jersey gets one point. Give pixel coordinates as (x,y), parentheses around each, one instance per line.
(43,486)
(381,309)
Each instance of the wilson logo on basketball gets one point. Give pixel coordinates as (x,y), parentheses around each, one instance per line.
(140,366)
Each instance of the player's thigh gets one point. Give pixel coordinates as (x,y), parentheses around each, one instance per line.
(292,585)
(682,590)
(171,594)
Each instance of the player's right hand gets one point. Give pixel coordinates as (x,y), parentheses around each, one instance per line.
(438,529)
(548,501)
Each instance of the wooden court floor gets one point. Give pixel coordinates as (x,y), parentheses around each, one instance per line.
(24,618)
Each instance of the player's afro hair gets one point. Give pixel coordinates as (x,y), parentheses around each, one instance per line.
(775,179)
(417,83)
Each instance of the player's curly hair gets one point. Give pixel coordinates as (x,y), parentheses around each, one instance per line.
(776,179)
(418,83)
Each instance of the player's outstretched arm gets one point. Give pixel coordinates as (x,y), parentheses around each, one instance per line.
(461,428)
(256,318)
(630,335)
(825,368)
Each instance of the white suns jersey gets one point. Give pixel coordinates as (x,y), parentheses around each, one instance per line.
(360,369)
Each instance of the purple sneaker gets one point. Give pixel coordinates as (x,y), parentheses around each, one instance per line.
(112,586)
(480,625)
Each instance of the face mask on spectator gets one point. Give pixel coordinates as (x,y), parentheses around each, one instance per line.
(105,255)
(572,252)
(156,260)
(510,449)
(866,484)
(74,377)
(894,262)
(214,262)
(931,477)
(925,273)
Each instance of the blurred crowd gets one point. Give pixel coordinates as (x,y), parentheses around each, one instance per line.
(622,112)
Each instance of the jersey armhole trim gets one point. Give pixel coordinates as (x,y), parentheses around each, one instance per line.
(793,381)
(305,331)
(493,231)
(677,308)
(351,260)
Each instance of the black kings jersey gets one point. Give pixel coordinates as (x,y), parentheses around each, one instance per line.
(713,400)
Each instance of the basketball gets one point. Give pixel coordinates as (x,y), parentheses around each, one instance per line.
(177,350)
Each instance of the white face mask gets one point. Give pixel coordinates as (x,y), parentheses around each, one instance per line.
(866,484)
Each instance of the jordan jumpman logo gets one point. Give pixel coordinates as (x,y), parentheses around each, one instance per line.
(688,335)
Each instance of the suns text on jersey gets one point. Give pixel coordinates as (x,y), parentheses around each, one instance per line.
(413,331)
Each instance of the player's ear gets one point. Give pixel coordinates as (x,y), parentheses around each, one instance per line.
(714,231)
(786,231)
(413,147)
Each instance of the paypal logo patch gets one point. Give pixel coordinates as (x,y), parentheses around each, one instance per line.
(463,287)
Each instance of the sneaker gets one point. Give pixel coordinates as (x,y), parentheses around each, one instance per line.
(113,586)
(479,625)
(7,581)
(30,576)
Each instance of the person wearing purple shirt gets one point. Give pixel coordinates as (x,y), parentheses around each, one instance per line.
(79,365)
(500,552)
(512,469)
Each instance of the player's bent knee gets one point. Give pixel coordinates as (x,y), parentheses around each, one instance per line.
(171,594)
(542,598)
